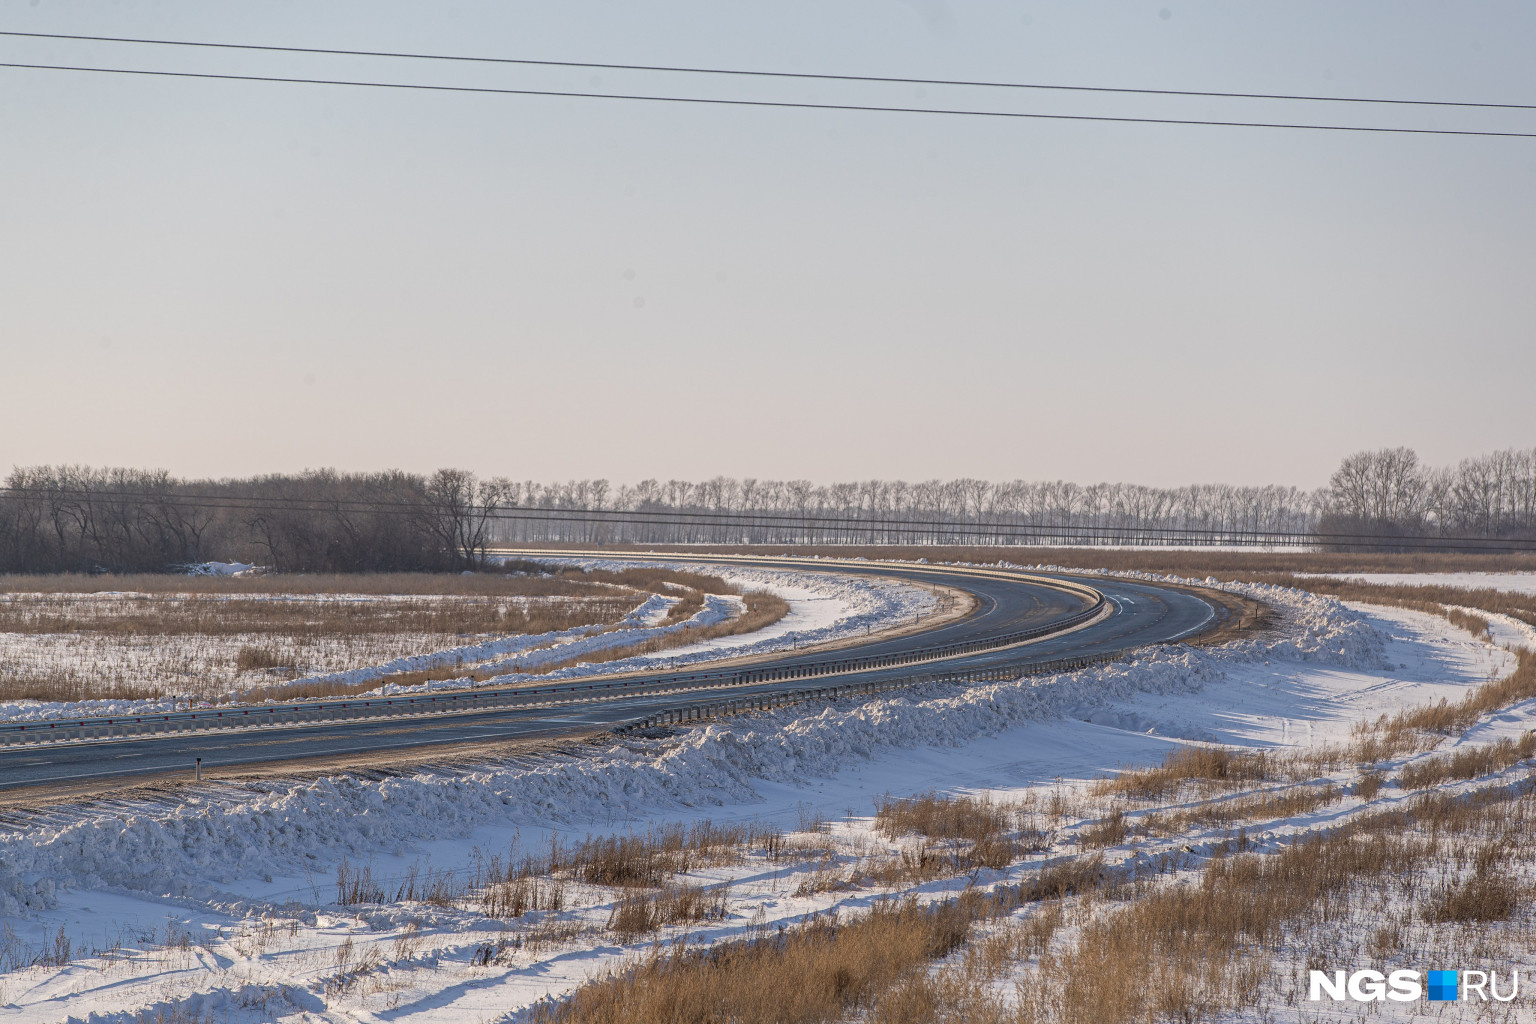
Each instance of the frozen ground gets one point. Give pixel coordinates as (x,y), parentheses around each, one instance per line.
(225,902)
(824,606)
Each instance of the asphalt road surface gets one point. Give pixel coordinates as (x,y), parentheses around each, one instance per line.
(1140,614)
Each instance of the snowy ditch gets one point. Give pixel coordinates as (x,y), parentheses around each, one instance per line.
(224,864)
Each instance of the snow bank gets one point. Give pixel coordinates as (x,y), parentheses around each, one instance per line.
(220,569)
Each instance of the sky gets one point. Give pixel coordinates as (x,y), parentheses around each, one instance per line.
(226,278)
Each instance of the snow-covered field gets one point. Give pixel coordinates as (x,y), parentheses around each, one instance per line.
(209,666)
(824,607)
(1514,582)
(225,902)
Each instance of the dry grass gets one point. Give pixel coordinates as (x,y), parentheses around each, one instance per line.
(1431,598)
(513,899)
(762,609)
(818,972)
(1207,769)
(1218,944)
(51,686)
(1477,625)
(309,606)
(1490,893)
(357,885)
(641,913)
(1110,830)
(650,859)
(197,634)
(1259,807)
(306,617)
(1445,718)
(976,832)
(943,817)
(1211,767)
(1470,763)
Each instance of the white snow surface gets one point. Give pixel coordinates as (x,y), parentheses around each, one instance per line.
(118,870)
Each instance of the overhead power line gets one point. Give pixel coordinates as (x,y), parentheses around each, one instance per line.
(748,73)
(780,104)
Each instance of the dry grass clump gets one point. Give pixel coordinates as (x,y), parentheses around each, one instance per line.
(356,885)
(1258,807)
(1111,830)
(644,860)
(1446,718)
(1489,893)
(1207,766)
(942,817)
(512,899)
(1074,876)
(978,832)
(641,913)
(912,864)
(1475,624)
(251,659)
(652,858)
(819,972)
(1482,759)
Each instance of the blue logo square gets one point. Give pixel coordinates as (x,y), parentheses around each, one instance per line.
(1442,986)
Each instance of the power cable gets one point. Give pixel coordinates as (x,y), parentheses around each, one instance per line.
(780,104)
(802,75)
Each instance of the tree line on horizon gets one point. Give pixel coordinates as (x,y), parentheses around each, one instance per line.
(82,519)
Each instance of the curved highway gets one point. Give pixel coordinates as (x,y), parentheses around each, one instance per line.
(1018,620)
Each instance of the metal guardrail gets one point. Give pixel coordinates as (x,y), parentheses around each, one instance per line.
(763,702)
(324,712)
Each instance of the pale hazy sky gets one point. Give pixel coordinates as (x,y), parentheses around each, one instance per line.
(226,278)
